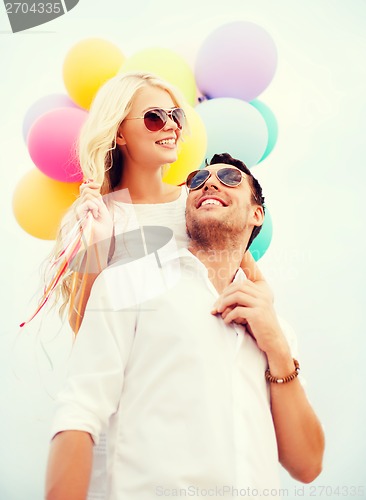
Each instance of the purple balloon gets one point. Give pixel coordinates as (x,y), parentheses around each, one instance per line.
(42,106)
(238,60)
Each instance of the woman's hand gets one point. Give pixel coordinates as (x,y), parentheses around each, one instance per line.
(91,204)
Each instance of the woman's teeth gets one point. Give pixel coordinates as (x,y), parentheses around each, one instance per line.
(166,141)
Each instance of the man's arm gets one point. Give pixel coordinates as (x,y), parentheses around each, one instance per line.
(91,394)
(300,437)
(69,466)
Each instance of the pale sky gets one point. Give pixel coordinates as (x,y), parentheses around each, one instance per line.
(314,183)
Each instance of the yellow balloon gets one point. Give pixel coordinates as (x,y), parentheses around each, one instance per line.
(168,65)
(192,150)
(39,203)
(87,66)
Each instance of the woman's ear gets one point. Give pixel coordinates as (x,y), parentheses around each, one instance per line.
(120,139)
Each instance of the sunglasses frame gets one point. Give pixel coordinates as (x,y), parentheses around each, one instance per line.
(168,114)
(195,172)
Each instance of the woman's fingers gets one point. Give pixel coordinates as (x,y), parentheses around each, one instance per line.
(88,206)
(90,187)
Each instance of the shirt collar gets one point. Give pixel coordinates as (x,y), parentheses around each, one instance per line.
(184,254)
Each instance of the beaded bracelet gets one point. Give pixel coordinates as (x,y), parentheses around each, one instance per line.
(283,380)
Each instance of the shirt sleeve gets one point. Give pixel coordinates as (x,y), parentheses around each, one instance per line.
(97,364)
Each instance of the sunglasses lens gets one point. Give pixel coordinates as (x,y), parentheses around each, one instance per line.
(197,179)
(229,176)
(155,119)
(179,117)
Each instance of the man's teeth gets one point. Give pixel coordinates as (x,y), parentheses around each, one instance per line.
(166,141)
(211,201)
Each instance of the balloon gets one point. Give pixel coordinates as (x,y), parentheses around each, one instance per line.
(39,203)
(52,143)
(238,59)
(167,65)
(234,126)
(42,105)
(192,150)
(87,66)
(261,243)
(271,123)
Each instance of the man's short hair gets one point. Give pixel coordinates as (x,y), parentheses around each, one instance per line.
(257,195)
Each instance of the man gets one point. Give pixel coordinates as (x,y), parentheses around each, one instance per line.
(181,380)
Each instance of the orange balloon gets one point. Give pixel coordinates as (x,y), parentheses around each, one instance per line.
(39,203)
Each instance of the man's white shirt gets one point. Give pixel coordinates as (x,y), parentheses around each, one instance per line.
(182,394)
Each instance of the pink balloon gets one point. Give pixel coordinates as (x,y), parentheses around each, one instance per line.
(52,143)
(42,105)
(238,59)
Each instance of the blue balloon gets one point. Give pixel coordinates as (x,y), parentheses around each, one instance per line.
(261,243)
(234,126)
(271,123)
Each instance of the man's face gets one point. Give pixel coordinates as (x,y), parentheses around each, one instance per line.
(214,207)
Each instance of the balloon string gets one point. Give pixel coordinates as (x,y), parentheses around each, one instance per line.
(84,279)
(62,263)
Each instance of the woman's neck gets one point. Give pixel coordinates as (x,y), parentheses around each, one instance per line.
(146,186)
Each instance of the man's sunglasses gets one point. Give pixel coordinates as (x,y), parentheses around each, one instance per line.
(155,119)
(230,177)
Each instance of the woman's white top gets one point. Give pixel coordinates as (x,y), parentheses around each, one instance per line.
(129,217)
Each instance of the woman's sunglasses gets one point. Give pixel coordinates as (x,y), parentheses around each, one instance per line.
(230,177)
(155,119)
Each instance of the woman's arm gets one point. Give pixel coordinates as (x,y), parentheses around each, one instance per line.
(97,244)
(250,268)
(253,273)
(94,262)
(69,466)
(81,288)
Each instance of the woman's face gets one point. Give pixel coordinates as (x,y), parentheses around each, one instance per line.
(140,145)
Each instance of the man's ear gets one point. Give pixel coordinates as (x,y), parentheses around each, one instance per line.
(120,140)
(258,215)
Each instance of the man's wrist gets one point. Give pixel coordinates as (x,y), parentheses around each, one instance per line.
(279,358)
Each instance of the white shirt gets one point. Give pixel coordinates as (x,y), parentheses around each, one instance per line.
(184,394)
(131,216)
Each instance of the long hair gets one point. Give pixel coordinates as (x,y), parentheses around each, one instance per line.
(100,158)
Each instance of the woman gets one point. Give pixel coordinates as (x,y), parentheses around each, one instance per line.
(133,131)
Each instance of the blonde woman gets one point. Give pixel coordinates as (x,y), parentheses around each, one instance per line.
(133,131)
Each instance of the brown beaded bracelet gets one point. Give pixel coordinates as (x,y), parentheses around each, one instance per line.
(283,380)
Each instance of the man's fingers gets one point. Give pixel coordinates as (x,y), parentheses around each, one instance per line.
(238,315)
(233,298)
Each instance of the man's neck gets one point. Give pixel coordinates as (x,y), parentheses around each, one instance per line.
(221,263)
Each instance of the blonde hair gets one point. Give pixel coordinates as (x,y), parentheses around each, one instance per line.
(100,159)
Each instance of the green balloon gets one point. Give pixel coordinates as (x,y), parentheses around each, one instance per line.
(271,123)
(261,243)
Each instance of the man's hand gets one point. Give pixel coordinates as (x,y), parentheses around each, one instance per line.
(251,304)
(300,438)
